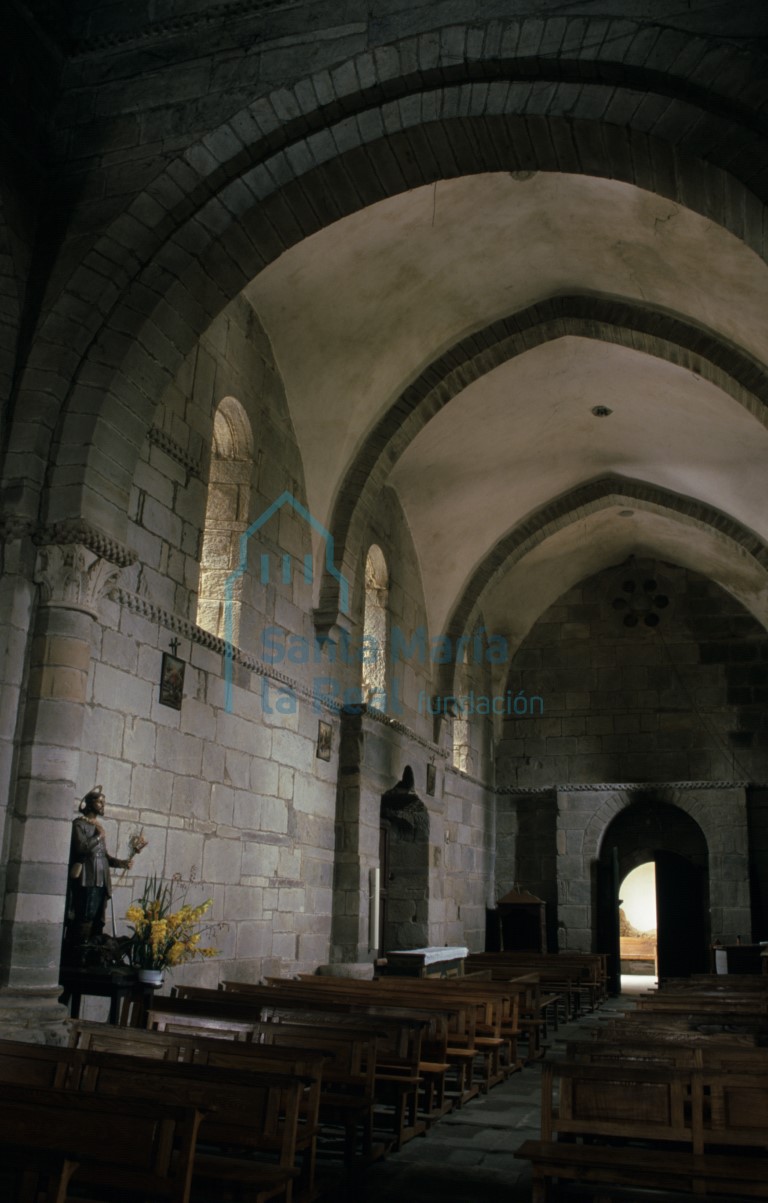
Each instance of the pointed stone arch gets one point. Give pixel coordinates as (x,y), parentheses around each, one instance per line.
(589,498)
(517,95)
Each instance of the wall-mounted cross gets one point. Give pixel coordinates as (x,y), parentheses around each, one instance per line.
(174,645)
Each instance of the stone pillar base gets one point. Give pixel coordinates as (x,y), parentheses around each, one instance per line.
(34,1016)
(358,969)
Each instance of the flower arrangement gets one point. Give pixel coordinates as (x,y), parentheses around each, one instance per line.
(137,841)
(163,936)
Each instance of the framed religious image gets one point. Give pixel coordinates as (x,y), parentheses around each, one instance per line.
(324,736)
(431,778)
(172,681)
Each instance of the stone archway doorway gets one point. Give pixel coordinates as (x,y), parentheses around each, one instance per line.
(649,830)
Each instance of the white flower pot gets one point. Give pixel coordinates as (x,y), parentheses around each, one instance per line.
(151,977)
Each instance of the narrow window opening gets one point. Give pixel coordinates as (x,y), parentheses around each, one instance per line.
(374,679)
(226,519)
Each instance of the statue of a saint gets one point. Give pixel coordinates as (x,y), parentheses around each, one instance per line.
(90,881)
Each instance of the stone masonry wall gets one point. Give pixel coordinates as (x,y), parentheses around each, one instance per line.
(582,819)
(230,796)
(684,700)
(236,800)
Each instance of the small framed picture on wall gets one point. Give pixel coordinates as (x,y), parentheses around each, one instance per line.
(172,681)
(324,740)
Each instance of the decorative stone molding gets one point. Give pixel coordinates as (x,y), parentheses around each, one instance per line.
(173,449)
(379,716)
(73,577)
(13,527)
(634,786)
(178,25)
(189,630)
(451,768)
(77,531)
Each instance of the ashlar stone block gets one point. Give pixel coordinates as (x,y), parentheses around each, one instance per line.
(222,860)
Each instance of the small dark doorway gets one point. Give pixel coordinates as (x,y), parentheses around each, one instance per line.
(404,865)
(649,830)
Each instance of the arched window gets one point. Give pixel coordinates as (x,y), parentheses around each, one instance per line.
(375,629)
(226,518)
(462,747)
(461,730)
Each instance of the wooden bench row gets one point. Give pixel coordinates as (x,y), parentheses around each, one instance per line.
(580,977)
(651,1127)
(347,1092)
(51,1138)
(430,1036)
(248,1118)
(411,1048)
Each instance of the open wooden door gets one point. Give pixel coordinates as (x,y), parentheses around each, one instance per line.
(681,912)
(608,931)
(385,870)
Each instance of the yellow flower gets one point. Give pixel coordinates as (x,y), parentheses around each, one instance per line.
(164,936)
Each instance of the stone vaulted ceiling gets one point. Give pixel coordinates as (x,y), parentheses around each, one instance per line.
(630,302)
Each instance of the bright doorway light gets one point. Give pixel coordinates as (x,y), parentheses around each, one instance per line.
(638,894)
(637,919)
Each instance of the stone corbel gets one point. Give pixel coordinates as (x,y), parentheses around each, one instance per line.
(72,577)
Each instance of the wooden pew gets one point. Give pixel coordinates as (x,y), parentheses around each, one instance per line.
(704,1001)
(495,1008)
(448,1037)
(450,1041)
(400,1035)
(348,1088)
(681,1029)
(624,1051)
(38,1065)
(57,1137)
(255,1111)
(456,1046)
(577,976)
(533,1006)
(707,1053)
(730,982)
(307,1064)
(652,1127)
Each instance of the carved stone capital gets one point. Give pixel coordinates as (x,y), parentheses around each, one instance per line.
(72,577)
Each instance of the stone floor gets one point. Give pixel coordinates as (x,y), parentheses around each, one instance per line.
(468,1157)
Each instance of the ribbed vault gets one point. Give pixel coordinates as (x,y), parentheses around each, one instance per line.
(466,100)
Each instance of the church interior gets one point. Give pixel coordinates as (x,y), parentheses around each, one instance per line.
(384,455)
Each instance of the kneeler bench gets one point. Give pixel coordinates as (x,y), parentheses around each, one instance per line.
(697,1131)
